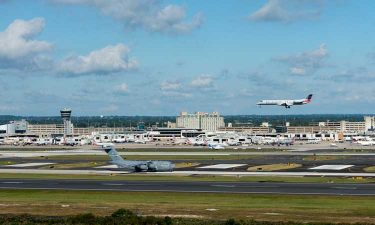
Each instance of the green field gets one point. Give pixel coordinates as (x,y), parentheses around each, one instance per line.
(197,205)
(370,169)
(323,157)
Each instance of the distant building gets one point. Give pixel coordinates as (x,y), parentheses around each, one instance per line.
(265,124)
(200,120)
(342,126)
(281,129)
(14,127)
(251,130)
(45,130)
(336,126)
(68,125)
(369,123)
(171,124)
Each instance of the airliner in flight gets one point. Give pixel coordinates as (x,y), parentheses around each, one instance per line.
(286,103)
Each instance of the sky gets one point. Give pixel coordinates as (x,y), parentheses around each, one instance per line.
(161,57)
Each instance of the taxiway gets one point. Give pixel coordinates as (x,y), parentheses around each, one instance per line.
(191,187)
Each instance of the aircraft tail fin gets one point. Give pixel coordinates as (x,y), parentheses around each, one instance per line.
(113,154)
(308,98)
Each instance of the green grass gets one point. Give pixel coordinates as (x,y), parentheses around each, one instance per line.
(148,177)
(288,207)
(370,169)
(6,162)
(323,157)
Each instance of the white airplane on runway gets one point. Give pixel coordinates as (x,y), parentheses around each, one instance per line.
(286,103)
(216,146)
(103,144)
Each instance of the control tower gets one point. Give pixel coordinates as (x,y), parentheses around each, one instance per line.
(68,126)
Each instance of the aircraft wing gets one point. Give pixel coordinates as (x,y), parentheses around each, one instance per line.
(285,104)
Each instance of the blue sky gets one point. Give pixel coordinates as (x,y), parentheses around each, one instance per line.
(155,57)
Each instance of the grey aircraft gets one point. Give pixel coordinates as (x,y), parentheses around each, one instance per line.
(136,165)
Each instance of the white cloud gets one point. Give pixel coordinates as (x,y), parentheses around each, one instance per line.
(122,88)
(307,62)
(297,71)
(110,59)
(287,10)
(176,94)
(148,14)
(170,86)
(174,89)
(19,49)
(203,81)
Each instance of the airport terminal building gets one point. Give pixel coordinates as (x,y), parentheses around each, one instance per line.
(200,120)
(187,125)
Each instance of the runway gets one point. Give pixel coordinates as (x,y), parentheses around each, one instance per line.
(186,173)
(192,187)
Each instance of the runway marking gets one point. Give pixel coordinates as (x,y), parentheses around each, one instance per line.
(265,186)
(331,167)
(107,167)
(345,188)
(29,164)
(223,185)
(112,184)
(12,182)
(222,166)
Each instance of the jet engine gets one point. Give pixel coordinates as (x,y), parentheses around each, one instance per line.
(141,167)
(152,166)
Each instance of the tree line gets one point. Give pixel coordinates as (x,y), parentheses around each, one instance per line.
(127,217)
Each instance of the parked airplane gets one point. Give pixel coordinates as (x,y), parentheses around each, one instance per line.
(277,141)
(366,143)
(103,145)
(43,141)
(138,166)
(216,146)
(195,142)
(313,141)
(286,103)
